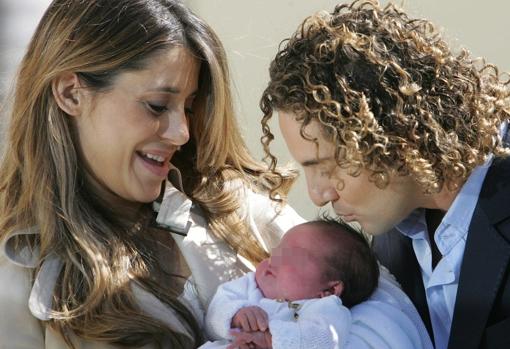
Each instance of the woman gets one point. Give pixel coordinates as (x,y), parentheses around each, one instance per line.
(406,137)
(107,94)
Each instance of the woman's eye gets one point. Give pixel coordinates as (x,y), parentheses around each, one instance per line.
(156,108)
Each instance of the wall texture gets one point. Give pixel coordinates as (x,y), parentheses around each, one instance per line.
(18,19)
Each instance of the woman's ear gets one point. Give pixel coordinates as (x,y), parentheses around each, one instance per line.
(334,288)
(68,93)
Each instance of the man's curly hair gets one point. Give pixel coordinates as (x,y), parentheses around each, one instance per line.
(389,92)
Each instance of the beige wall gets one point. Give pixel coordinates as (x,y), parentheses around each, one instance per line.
(18,19)
(251,31)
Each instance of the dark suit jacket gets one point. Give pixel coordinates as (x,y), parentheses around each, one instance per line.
(481,316)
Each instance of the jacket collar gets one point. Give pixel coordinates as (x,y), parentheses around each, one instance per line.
(174,209)
(17,250)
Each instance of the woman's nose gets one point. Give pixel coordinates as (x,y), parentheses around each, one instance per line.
(175,127)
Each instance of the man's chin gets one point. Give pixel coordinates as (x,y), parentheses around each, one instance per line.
(366,228)
(374,231)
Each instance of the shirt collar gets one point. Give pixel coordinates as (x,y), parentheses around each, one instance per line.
(460,212)
(414,225)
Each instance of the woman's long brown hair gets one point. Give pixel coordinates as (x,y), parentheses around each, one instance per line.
(44,182)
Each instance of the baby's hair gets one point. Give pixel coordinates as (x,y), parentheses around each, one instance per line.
(350,260)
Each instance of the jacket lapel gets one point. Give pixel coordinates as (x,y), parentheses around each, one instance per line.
(485,261)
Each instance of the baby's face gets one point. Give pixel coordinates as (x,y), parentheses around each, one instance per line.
(295,269)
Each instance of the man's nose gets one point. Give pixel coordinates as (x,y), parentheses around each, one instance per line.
(322,192)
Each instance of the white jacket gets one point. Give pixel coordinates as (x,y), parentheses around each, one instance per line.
(25,302)
(321,323)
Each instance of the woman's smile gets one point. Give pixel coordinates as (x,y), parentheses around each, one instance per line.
(157,164)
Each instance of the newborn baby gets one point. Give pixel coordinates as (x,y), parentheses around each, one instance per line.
(299,297)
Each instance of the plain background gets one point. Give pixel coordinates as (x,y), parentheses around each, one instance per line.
(251,31)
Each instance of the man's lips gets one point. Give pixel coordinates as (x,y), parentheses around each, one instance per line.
(348,217)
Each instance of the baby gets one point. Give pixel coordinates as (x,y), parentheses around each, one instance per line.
(299,297)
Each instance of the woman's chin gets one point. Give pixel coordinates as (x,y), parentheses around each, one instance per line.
(147,194)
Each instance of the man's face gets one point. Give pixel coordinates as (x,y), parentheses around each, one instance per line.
(353,198)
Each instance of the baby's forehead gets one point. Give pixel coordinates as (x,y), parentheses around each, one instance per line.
(311,237)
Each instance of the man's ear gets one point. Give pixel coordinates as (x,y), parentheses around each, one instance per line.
(68,93)
(334,288)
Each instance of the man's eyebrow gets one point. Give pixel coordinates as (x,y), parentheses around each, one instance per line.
(314,162)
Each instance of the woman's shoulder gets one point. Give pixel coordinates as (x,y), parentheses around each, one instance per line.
(28,291)
(15,280)
(18,326)
(17,260)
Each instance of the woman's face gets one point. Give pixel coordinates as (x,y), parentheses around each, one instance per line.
(376,210)
(129,133)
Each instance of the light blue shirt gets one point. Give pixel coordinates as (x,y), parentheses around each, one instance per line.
(450,237)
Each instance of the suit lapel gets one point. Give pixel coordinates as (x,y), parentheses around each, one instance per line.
(486,259)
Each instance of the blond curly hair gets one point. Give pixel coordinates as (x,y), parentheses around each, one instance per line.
(390,94)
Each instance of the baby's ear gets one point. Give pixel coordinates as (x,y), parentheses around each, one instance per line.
(334,288)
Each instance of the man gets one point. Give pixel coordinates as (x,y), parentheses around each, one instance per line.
(408,139)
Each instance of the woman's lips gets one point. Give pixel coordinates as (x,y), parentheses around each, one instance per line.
(159,170)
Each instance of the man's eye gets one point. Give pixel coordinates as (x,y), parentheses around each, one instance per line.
(156,108)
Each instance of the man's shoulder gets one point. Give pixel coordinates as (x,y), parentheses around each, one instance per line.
(495,192)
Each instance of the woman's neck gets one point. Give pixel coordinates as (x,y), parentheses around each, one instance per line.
(128,212)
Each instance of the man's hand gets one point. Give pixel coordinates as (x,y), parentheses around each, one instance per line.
(250,319)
